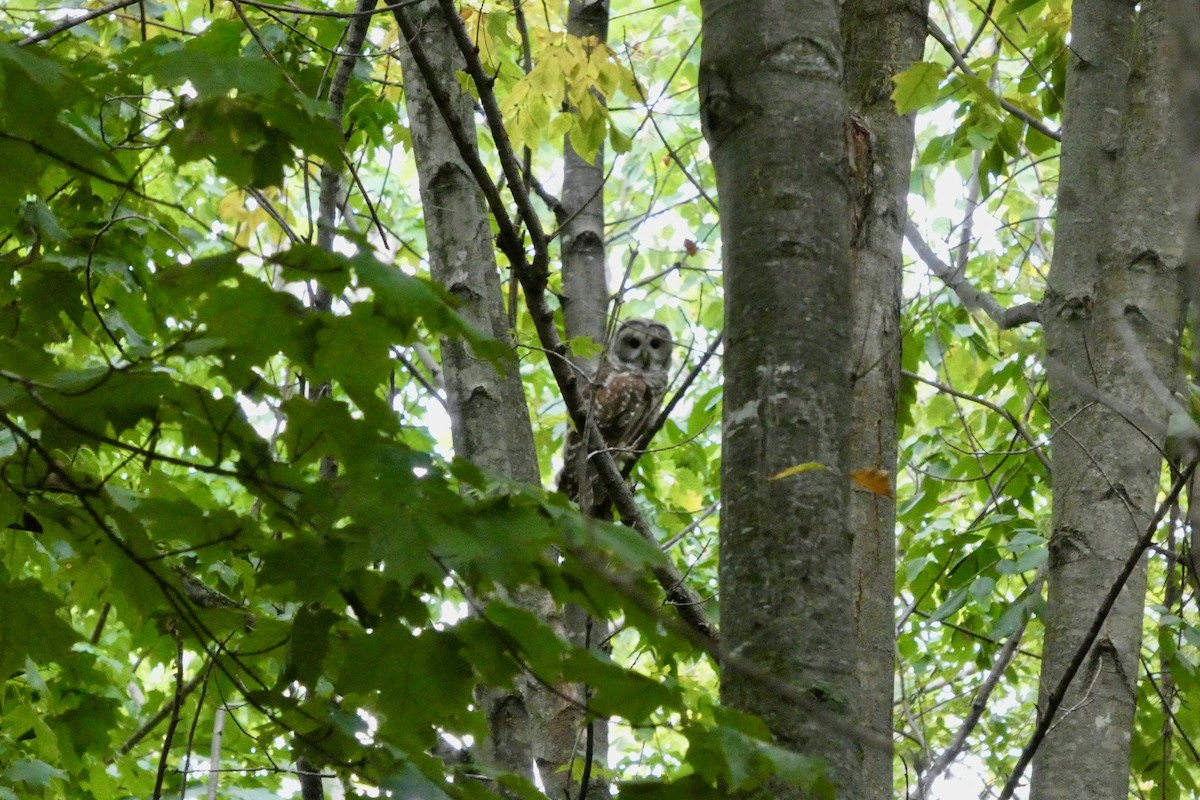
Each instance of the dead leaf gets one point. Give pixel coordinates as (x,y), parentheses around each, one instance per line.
(876,481)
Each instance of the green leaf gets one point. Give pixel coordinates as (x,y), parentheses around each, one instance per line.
(308,644)
(30,627)
(689,787)
(245,147)
(917,86)
(213,63)
(32,772)
(619,142)
(618,691)
(585,347)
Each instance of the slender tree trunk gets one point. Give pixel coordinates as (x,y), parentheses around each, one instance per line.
(585,310)
(488,415)
(1112,316)
(775,117)
(882,39)
(585,279)
(1185,71)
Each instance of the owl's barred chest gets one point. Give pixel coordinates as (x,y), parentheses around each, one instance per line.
(622,398)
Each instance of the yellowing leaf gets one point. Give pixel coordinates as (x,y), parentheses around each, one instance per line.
(233,207)
(797,469)
(876,481)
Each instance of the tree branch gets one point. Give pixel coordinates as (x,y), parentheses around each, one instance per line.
(67,24)
(1030,120)
(1021,430)
(974,299)
(980,699)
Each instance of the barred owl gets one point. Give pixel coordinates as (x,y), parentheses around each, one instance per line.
(623,399)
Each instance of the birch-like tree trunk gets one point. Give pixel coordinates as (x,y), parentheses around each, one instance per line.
(585,311)
(585,280)
(882,39)
(488,415)
(1112,314)
(774,115)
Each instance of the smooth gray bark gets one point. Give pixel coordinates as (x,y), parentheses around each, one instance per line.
(489,419)
(488,415)
(1185,71)
(585,279)
(775,116)
(1112,315)
(585,313)
(882,39)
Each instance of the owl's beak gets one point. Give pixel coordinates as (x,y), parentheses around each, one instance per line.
(645,359)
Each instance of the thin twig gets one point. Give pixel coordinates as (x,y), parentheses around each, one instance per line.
(67,24)
(176,706)
(1035,447)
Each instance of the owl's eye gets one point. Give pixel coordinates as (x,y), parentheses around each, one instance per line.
(655,344)
(634,341)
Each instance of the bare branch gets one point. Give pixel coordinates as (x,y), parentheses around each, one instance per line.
(316,12)
(980,699)
(67,24)
(974,299)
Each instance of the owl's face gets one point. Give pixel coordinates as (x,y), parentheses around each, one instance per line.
(641,344)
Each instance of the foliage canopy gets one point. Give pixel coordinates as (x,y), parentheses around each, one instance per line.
(172,550)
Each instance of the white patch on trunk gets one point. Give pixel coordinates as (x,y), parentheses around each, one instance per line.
(747,412)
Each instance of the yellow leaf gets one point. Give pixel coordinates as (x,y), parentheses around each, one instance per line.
(797,469)
(876,481)
(233,207)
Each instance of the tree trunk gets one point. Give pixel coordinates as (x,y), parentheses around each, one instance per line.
(1112,316)
(488,415)
(585,279)
(775,118)
(585,313)
(1185,82)
(882,40)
